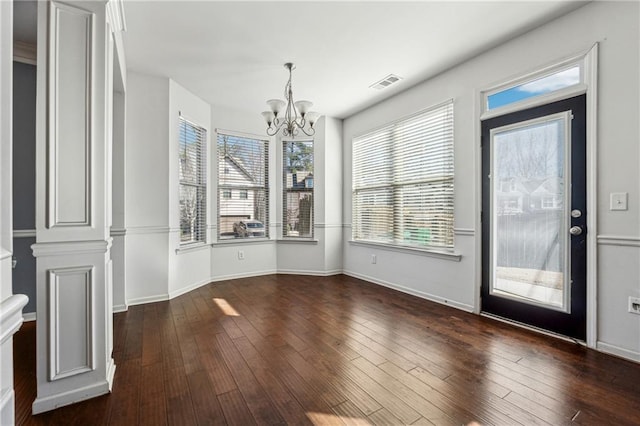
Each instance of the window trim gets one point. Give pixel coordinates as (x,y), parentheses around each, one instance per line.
(285,191)
(580,60)
(444,252)
(430,252)
(217,241)
(203,185)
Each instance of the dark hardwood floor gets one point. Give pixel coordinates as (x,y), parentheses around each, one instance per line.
(295,350)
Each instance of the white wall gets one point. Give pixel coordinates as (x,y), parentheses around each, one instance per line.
(323,256)
(615,26)
(146,188)
(157,268)
(332,179)
(259,256)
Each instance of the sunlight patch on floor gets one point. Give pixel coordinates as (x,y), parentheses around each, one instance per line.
(333,419)
(225,307)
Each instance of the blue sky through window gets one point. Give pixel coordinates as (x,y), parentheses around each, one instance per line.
(550,83)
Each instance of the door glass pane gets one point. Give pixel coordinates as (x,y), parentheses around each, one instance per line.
(529,219)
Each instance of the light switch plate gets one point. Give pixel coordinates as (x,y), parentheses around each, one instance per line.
(618,201)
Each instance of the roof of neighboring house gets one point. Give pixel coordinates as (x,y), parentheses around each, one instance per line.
(237,163)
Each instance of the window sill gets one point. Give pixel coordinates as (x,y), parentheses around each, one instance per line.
(453,256)
(236,241)
(294,240)
(187,248)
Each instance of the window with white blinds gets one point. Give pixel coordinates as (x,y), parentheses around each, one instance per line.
(192,141)
(243,187)
(403,181)
(297,184)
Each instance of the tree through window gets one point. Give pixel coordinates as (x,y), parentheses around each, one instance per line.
(297,197)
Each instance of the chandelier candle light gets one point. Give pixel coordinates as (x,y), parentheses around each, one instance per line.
(296,114)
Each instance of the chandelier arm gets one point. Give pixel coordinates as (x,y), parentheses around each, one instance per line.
(276,127)
(311,132)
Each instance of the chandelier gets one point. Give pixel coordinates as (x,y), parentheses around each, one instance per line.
(290,116)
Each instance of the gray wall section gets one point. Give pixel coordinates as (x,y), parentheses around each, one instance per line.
(24,179)
(24,146)
(24,274)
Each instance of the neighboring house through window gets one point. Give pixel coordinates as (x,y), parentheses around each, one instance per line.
(193,182)
(297,197)
(243,186)
(403,181)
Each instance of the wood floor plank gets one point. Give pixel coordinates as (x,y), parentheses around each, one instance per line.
(414,400)
(151,347)
(255,396)
(385,417)
(235,409)
(214,365)
(286,404)
(178,398)
(125,404)
(206,405)
(286,349)
(392,402)
(350,415)
(345,388)
(153,401)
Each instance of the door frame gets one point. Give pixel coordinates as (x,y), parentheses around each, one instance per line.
(588,61)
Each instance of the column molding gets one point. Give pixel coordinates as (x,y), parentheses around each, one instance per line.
(74,330)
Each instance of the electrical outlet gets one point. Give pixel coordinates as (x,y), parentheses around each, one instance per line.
(240,254)
(374,259)
(634,305)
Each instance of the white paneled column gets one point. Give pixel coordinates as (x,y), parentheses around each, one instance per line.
(10,305)
(73,204)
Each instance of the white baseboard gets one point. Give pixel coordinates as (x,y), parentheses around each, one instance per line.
(420,294)
(51,402)
(187,289)
(307,272)
(147,299)
(111,373)
(120,308)
(28,316)
(243,275)
(617,351)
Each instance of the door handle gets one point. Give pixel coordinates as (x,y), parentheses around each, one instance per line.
(575,230)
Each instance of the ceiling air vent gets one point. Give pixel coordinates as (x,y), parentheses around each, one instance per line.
(386,82)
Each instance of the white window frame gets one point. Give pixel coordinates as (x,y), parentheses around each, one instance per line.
(286,234)
(581,61)
(221,188)
(200,226)
(440,249)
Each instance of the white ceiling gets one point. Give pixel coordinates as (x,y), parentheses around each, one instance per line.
(231,53)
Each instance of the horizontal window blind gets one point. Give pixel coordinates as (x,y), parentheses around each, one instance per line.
(403,181)
(243,187)
(297,195)
(193,182)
